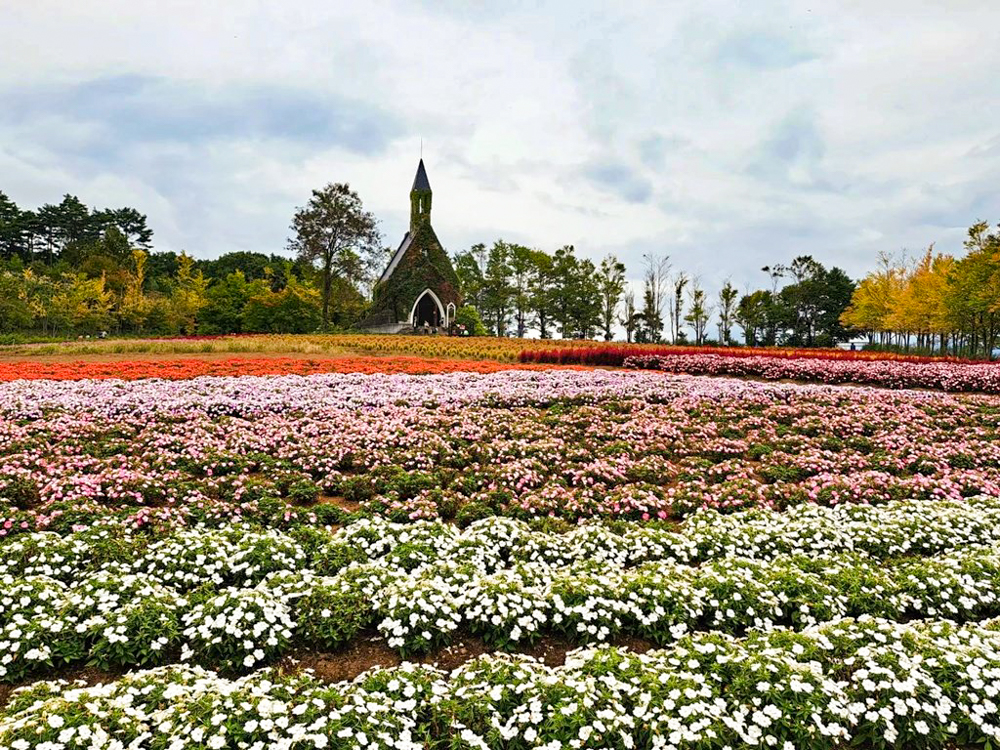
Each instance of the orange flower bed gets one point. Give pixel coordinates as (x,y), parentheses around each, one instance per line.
(183,369)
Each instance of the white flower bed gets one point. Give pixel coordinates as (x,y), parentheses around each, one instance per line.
(237,597)
(240,628)
(850,682)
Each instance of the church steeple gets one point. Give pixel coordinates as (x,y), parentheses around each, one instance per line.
(420,198)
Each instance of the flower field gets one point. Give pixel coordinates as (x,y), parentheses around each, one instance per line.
(539,559)
(187,368)
(885,373)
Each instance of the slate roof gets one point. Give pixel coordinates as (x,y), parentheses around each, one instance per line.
(394,261)
(420,182)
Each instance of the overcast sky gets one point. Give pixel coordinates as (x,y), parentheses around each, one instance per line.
(727,135)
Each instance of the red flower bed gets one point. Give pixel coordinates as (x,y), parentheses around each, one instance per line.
(614,355)
(183,369)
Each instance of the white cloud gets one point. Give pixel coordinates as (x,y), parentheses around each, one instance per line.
(727,135)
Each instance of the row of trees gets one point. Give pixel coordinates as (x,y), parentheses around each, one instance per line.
(64,231)
(934,302)
(71,269)
(67,269)
(518,290)
(186,302)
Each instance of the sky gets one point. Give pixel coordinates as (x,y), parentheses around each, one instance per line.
(726,135)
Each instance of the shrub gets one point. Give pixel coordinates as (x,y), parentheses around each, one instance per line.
(238,629)
(331,615)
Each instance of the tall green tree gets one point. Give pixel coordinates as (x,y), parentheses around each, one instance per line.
(497,290)
(189,295)
(12,230)
(610,286)
(752,316)
(132,224)
(698,313)
(542,290)
(727,308)
(576,306)
(811,305)
(523,267)
(334,231)
(15,309)
(470,267)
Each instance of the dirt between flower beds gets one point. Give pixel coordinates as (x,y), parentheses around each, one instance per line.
(366,651)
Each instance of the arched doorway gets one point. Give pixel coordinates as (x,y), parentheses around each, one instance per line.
(427,310)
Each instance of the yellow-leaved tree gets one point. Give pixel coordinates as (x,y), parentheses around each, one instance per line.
(188,296)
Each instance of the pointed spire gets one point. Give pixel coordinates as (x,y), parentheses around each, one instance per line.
(420,182)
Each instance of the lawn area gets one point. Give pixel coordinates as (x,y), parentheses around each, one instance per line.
(480,556)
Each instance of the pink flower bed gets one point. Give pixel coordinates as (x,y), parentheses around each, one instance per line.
(567,444)
(943,376)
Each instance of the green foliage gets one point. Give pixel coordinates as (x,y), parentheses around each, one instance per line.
(331,616)
(425,265)
(303,492)
(468,316)
(67,270)
(295,309)
(21,492)
(805,312)
(334,231)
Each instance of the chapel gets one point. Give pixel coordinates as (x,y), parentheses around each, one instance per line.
(418,290)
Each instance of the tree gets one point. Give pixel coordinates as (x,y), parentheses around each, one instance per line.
(294,309)
(188,296)
(335,231)
(833,289)
(130,223)
(542,293)
(654,290)
(134,305)
(15,310)
(497,290)
(468,316)
(587,300)
(275,269)
(12,230)
(68,223)
(630,318)
(677,306)
(611,286)
(574,294)
(974,297)
(698,314)
(81,304)
(752,315)
(471,272)
(727,310)
(523,271)
(226,301)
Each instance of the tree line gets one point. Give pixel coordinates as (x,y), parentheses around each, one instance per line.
(934,303)
(68,268)
(519,290)
(71,269)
